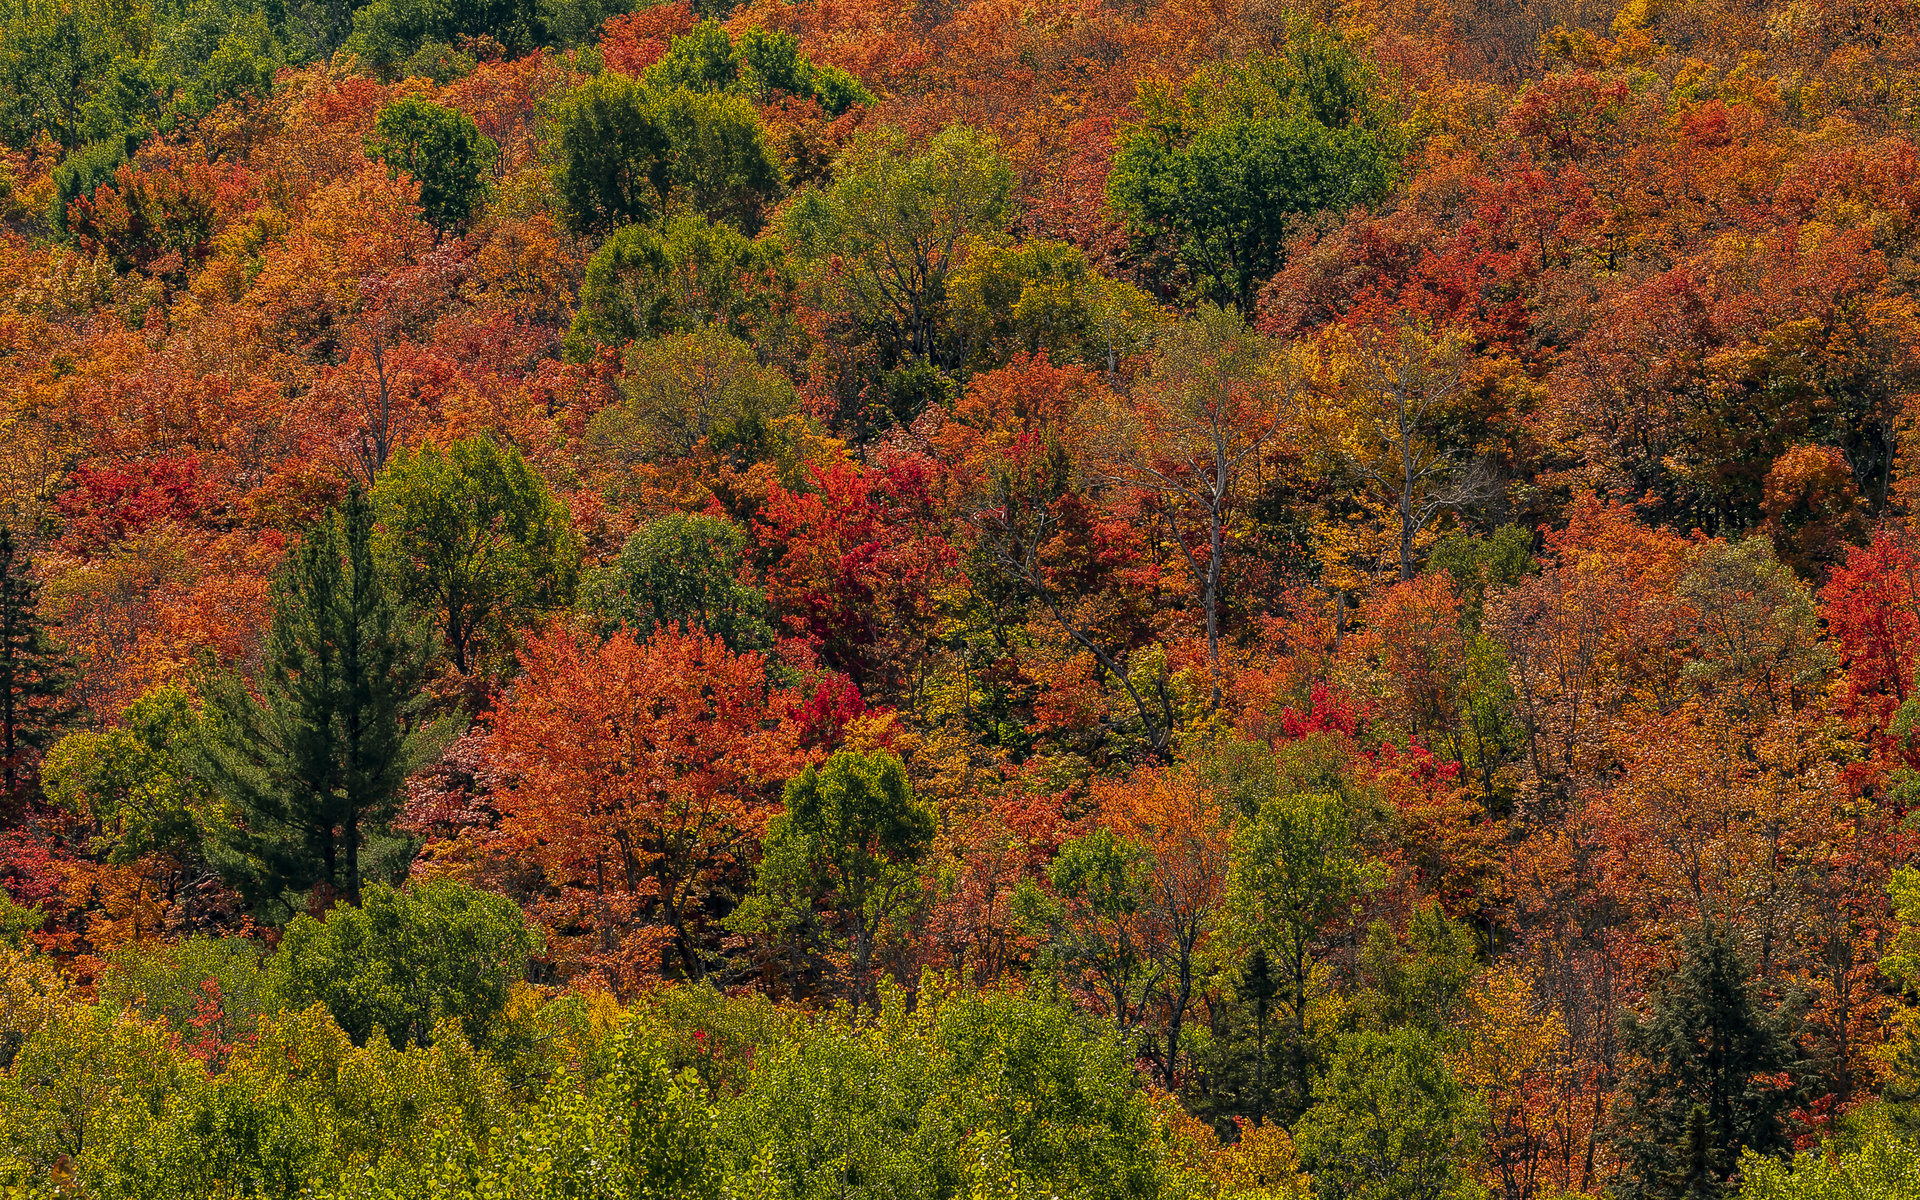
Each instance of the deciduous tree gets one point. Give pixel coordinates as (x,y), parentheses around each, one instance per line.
(642,774)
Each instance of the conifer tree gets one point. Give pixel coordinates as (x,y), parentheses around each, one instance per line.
(34,673)
(316,761)
(1715,1076)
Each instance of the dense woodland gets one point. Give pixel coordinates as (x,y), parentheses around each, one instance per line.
(959,598)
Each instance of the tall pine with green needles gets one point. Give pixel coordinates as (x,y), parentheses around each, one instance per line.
(314,759)
(1716,1074)
(34,673)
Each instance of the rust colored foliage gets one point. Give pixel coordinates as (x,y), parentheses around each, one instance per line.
(638,774)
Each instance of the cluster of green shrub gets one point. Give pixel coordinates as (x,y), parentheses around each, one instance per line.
(393,1050)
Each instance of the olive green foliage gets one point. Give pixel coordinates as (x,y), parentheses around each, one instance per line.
(18,920)
(1901,964)
(1885,1168)
(133,784)
(687,1094)
(387,33)
(626,153)
(1388,1122)
(967,1095)
(681,389)
(894,226)
(646,281)
(404,961)
(567,23)
(443,150)
(762,66)
(72,70)
(701,1097)
(611,155)
(36,673)
(123,1108)
(1042,296)
(723,167)
(472,535)
(1418,979)
(179,984)
(841,862)
(1481,564)
(1101,883)
(1296,866)
(700,60)
(1213,173)
(311,758)
(98,76)
(436,61)
(411,37)
(685,569)
(1759,640)
(82,172)
(221,58)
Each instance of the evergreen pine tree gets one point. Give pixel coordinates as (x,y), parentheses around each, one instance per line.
(317,761)
(34,673)
(1708,1048)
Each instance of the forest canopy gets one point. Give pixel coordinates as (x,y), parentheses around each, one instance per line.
(797,599)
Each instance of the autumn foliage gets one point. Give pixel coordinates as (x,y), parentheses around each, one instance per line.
(1382,544)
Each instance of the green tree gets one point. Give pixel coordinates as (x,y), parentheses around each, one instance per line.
(473,535)
(761,66)
(686,569)
(646,281)
(72,70)
(314,29)
(1388,1122)
(626,154)
(134,784)
(966,1095)
(443,150)
(678,390)
(836,90)
(34,673)
(568,23)
(1482,564)
(168,982)
(632,1120)
(612,155)
(313,764)
(843,859)
(1295,867)
(892,229)
(1708,1043)
(405,960)
(387,33)
(1418,979)
(1043,296)
(1885,1166)
(700,60)
(771,64)
(1901,964)
(1214,173)
(16,922)
(722,166)
(230,57)
(1092,922)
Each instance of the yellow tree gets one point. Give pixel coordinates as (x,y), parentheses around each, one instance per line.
(1374,412)
(1513,1057)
